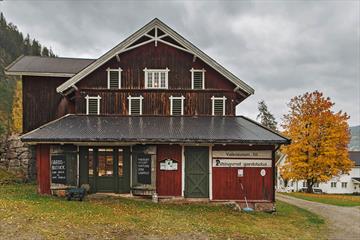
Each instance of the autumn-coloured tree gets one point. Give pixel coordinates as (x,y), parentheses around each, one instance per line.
(320,137)
(17,108)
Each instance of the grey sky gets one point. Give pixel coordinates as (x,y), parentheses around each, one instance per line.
(280,48)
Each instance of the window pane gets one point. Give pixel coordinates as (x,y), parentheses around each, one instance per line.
(105,162)
(156,79)
(114,79)
(93,106)
(150,80)
(120,162)
(135,106)
(198,80)
(176,107)
(163,83)
(91,162)
(218,107)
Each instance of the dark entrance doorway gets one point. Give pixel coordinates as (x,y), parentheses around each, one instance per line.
(197,172)
(106,169)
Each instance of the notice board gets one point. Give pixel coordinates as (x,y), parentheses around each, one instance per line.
(58,169)
(144,168)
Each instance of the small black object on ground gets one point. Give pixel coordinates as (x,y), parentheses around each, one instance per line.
(75,193)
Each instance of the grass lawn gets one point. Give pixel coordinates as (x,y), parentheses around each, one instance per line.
(26,215)
(333,199)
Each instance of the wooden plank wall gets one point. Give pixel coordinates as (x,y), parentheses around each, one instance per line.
(168,183)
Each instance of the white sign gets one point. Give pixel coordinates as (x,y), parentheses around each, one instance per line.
(240,172)
(220,162)
(242,154)
(263,172)
(168,164)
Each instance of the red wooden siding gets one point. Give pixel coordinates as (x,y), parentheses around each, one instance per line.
(43,168)
(227,185)
(168,183)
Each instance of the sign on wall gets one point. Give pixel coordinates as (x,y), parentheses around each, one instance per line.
(221,162)
(58,169)
(168,165)
(242,154)
(144,168)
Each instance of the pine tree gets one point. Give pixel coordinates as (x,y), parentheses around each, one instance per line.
(266,118)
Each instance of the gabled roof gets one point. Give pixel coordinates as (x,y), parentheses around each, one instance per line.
(156,129)
(183,44)
(47,66)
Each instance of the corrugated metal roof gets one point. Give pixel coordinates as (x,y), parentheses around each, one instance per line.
(355,157)
(36,64)
(87,128)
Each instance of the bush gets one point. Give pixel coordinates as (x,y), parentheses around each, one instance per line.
(8,178)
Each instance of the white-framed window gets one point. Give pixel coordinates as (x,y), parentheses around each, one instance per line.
(304,184)
(92,105)
(176,105)
(344,185)
(135,105)
(197,78)
(114,78)
(333,184)
(218,105)
(316,185)
(156,78)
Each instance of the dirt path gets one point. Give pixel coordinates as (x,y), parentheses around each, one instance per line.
(344,222)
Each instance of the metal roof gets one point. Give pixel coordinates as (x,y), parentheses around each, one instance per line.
(355,157)
(201,129)
(47,66)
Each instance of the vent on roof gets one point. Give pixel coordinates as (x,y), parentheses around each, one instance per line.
(92,105)
(218,105)
(197,78)
(114,78)
(135,105)
(177,105)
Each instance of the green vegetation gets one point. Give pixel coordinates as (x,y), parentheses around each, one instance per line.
(333,199)
(7,177)
(22,211)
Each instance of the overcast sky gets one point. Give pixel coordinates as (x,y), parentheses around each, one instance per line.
(280,48)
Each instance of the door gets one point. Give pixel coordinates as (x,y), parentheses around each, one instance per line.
(106,170)
(197,172)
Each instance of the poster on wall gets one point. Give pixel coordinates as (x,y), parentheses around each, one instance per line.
(58,169)
(239,163)
(242,154)
(169,165)
(144,168)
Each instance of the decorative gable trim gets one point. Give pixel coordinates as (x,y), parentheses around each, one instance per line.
(184,45)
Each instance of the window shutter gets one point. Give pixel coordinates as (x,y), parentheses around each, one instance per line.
(176,106)
(198,80)
(93,106)
(114,79)
(135,106)
(218,107)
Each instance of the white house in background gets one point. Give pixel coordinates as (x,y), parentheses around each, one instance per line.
(343,184)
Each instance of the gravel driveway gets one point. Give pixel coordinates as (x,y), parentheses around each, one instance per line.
(343,222)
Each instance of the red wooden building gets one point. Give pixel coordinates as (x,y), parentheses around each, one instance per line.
(153,115)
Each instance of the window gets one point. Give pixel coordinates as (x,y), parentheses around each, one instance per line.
(105,162)
(135,105)
(316,185)
(156,78)
(114,78)
(333,184)
(92,105)
(304,184)
(176,105)
(218,105)
(197,78)
(120,162)
(344,185)
(91,162)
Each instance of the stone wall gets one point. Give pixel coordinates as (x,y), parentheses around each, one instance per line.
(17,157)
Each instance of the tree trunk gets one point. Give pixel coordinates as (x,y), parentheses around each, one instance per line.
(309,186)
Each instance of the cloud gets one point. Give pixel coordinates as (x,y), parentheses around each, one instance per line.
(282,49)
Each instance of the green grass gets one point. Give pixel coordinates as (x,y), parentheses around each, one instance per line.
(333,199)
(7,177)
(23,212)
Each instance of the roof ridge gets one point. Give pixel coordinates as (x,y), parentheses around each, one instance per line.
(73,58)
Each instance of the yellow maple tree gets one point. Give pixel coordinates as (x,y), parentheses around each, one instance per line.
(319,140)
(17,108)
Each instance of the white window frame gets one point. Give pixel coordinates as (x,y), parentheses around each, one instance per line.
(108,76)
(141,102)
(192,70)
(87,103)
(333,183)
(166,71)
(343,184)
(213,105)
(171,104)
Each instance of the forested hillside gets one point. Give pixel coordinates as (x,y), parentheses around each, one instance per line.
(355,138)
(12,45)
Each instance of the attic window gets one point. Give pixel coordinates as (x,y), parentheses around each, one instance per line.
(197,78)
(177,105)
(114,78)
(135,105)
(156,78)
(92,105)
(218,105)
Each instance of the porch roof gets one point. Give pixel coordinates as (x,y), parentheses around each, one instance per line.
(156,129)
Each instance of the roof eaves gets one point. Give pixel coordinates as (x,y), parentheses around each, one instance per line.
(40,74)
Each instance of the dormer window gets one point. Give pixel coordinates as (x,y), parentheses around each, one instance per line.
(114,78)
(197,78)
(135,105)
(156,78)
(176,105)
(92,105)
(218,106)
